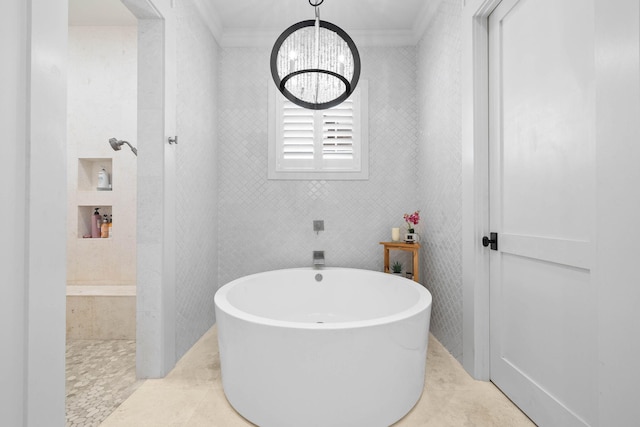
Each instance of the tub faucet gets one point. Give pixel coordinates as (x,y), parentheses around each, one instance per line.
(318,259)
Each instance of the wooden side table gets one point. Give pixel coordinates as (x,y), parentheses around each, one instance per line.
(414,248)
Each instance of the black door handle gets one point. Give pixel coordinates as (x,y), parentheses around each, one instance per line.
(493,241)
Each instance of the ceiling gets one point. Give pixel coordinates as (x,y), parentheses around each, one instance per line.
(273,15)
(237,21)
(99,13)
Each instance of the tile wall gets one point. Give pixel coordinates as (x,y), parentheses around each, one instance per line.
(440,171)
(197,178)
(236,219)
(266,225)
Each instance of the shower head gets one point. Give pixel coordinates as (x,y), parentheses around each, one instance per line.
(117,144)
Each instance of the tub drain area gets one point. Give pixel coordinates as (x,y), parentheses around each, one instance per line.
(326,318)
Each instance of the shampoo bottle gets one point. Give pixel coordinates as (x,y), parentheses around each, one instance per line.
(110,225)
(95,224)
(104,228)
(103,180)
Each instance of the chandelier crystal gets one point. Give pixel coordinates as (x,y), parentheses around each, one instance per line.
(315,64)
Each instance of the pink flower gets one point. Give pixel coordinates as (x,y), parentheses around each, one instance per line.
(413,219)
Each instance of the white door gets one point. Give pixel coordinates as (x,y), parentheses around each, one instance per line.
(542,110)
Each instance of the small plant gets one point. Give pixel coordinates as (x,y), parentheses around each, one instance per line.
(397,267)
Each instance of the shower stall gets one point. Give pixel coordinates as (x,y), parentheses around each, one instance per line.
(102,100)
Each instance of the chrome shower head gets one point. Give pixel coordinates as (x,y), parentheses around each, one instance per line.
(117,144)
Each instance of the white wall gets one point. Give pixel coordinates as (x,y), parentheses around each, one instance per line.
(13,86)
(177,241)
(440,170)
(156,244)
(267,224)
(196,178)
(33,114)
(617,58)
(102,103)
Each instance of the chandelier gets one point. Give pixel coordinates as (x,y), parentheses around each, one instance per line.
(315,64)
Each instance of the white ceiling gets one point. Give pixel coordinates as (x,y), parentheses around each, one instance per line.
(99,13)
(238,22)
(273,15)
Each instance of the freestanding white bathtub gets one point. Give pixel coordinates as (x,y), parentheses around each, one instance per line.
(331,347)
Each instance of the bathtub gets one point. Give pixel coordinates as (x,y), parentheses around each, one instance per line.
(331,347)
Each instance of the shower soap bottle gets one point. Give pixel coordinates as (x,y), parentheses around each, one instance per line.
(103,180)
(104,228)
(96,222)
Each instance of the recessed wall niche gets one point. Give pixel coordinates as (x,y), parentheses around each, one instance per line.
(85,218)
(88,169)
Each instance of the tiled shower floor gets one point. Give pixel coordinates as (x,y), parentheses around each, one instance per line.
(101,374)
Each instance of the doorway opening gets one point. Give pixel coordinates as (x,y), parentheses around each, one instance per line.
(102,202)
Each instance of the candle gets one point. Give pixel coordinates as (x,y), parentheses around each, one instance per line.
(395,234)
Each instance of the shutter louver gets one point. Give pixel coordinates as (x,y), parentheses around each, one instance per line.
(297,132)
(337,132)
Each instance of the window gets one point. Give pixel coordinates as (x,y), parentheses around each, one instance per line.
(327,144)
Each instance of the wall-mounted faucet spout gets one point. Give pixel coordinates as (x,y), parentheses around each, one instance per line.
(117,144)
(318,259)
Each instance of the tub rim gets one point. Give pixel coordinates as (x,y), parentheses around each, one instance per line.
(423,303)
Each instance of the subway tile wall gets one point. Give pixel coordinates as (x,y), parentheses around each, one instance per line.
(265,225)
(440,171)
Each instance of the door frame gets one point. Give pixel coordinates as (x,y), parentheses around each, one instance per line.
(475,186)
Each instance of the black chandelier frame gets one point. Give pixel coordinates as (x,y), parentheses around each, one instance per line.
(349,85)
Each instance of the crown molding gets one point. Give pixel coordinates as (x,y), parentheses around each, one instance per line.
(382,38)
(211,18)
(248,38)
(252,38)
(423,19)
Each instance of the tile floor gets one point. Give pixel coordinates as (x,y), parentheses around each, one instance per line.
(100,375)
(191,395)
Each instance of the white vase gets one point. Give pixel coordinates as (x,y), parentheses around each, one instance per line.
(411,238)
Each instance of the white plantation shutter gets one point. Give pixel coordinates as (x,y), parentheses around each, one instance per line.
(322,144)
(297,132)
(337,132)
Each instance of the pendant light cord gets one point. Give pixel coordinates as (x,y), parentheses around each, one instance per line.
(317,64)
